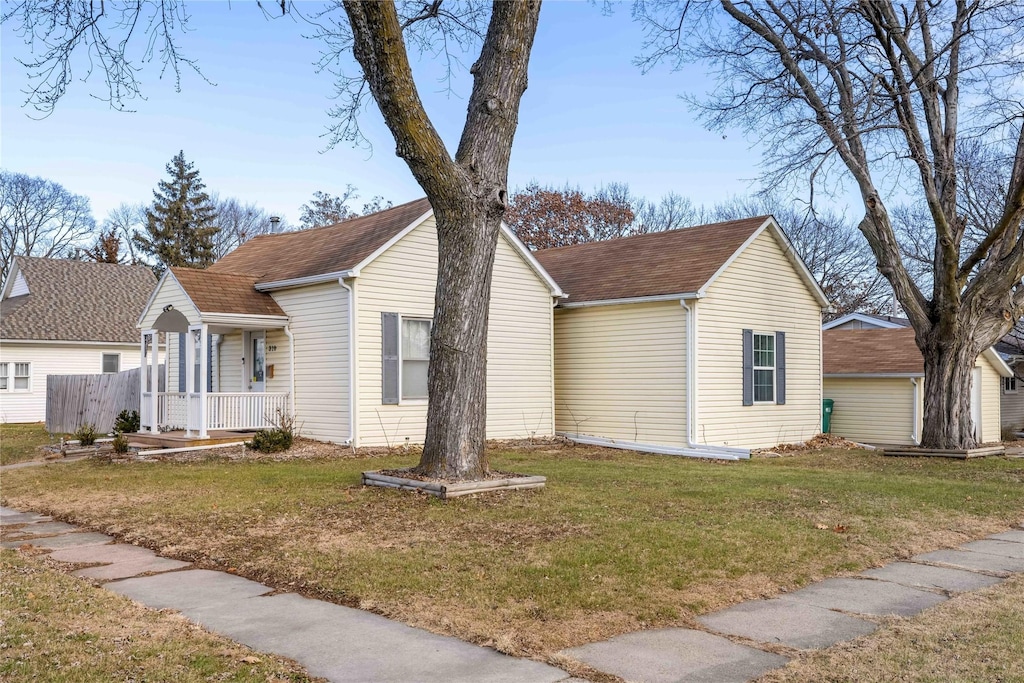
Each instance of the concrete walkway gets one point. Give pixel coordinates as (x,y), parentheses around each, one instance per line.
(344,644)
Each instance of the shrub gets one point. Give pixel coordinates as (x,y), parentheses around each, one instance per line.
(279,438)
(120,443)
(86,435)
(127,421)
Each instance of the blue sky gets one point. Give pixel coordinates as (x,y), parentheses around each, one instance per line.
(589,117)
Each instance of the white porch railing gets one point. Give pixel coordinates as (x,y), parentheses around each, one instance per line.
(223,410)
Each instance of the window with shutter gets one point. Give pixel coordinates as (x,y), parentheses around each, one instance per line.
(415,357)
(764,368)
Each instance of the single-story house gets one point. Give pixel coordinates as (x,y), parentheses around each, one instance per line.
(331,325)
(1010,349)
(700,341)
(62,317)
(876,378)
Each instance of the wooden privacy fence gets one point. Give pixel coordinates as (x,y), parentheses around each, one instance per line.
(75,400)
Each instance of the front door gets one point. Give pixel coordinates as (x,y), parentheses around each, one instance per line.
(976,403)
(256,361)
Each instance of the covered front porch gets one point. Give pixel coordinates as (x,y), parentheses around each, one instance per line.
(224,371)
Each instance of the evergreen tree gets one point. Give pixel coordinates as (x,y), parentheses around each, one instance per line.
(182,223)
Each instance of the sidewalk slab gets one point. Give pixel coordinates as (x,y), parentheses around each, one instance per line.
(65,541)
(676,655)
(42,529)
(345,644)
(1001,548)
(120,561)
(794,624)
(195,591)
(974,561)
(10,517)
(1014,535)
(863,596)
(926,576)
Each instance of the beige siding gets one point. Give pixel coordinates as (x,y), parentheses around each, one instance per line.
(760,290)
(170,292)
(519,362)
(874,409)
(231,373)
(52,359)
(991,388)
(620,372)
(319,324)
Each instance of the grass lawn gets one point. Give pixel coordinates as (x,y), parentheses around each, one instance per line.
(59,628)
(616,542)
(18,442)
(973,637)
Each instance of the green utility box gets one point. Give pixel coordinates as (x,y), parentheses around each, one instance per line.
(826,415)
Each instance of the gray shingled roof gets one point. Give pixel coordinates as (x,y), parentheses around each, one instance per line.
(77,301)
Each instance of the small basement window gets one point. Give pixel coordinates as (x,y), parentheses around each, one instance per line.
(111,363)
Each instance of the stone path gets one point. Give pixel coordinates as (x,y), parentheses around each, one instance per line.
(344,644)
(817,616)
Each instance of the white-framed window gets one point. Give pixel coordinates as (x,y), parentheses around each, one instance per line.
(1009,385)
(22,377)
(111,363)
(5,378)
(415,357)
(764,368)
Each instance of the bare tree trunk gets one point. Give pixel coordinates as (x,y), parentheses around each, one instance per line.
(949,373)
(457,381)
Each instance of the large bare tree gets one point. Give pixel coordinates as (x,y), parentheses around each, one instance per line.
(467,190)
(39,217)
(884,93)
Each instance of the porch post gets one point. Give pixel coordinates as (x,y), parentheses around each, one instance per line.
(190,377)
(143,369)
(154,379)
(204,342)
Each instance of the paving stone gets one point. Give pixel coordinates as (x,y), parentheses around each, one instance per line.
(9,517)
(41,529)
(193,591)
(976,561)
(1001,548)
(64,541)
(676,655)
(926,576)
(790,623)
(345,644)
(1014,535)
(125,570)
(862,596)
(115,552)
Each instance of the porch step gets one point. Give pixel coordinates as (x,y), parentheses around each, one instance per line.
(179,440)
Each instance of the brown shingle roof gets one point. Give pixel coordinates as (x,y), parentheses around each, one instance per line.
(77,301)
(330,249)
(214,292)
(871,352)
(671,262)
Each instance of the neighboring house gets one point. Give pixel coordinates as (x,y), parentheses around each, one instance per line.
(1010,349)
(61,317)
(332,325)
(876,378)
(701,341)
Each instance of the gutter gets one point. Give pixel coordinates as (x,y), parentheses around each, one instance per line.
(291,368)
(353,434)
(308,280)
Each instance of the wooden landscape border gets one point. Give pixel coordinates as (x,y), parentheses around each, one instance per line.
(961,454)
(445,490)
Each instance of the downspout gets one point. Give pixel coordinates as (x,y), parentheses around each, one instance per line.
(291,369)
(353,434)
(914,436)
(691,377)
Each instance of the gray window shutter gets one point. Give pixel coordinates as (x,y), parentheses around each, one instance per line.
(780,368)
(389,358)
(181,361)
(748,367)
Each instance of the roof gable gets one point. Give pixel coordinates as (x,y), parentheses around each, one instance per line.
(670,263)
(75,301)
(213,292)
(873,321)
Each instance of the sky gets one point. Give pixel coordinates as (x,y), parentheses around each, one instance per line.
(256,130)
